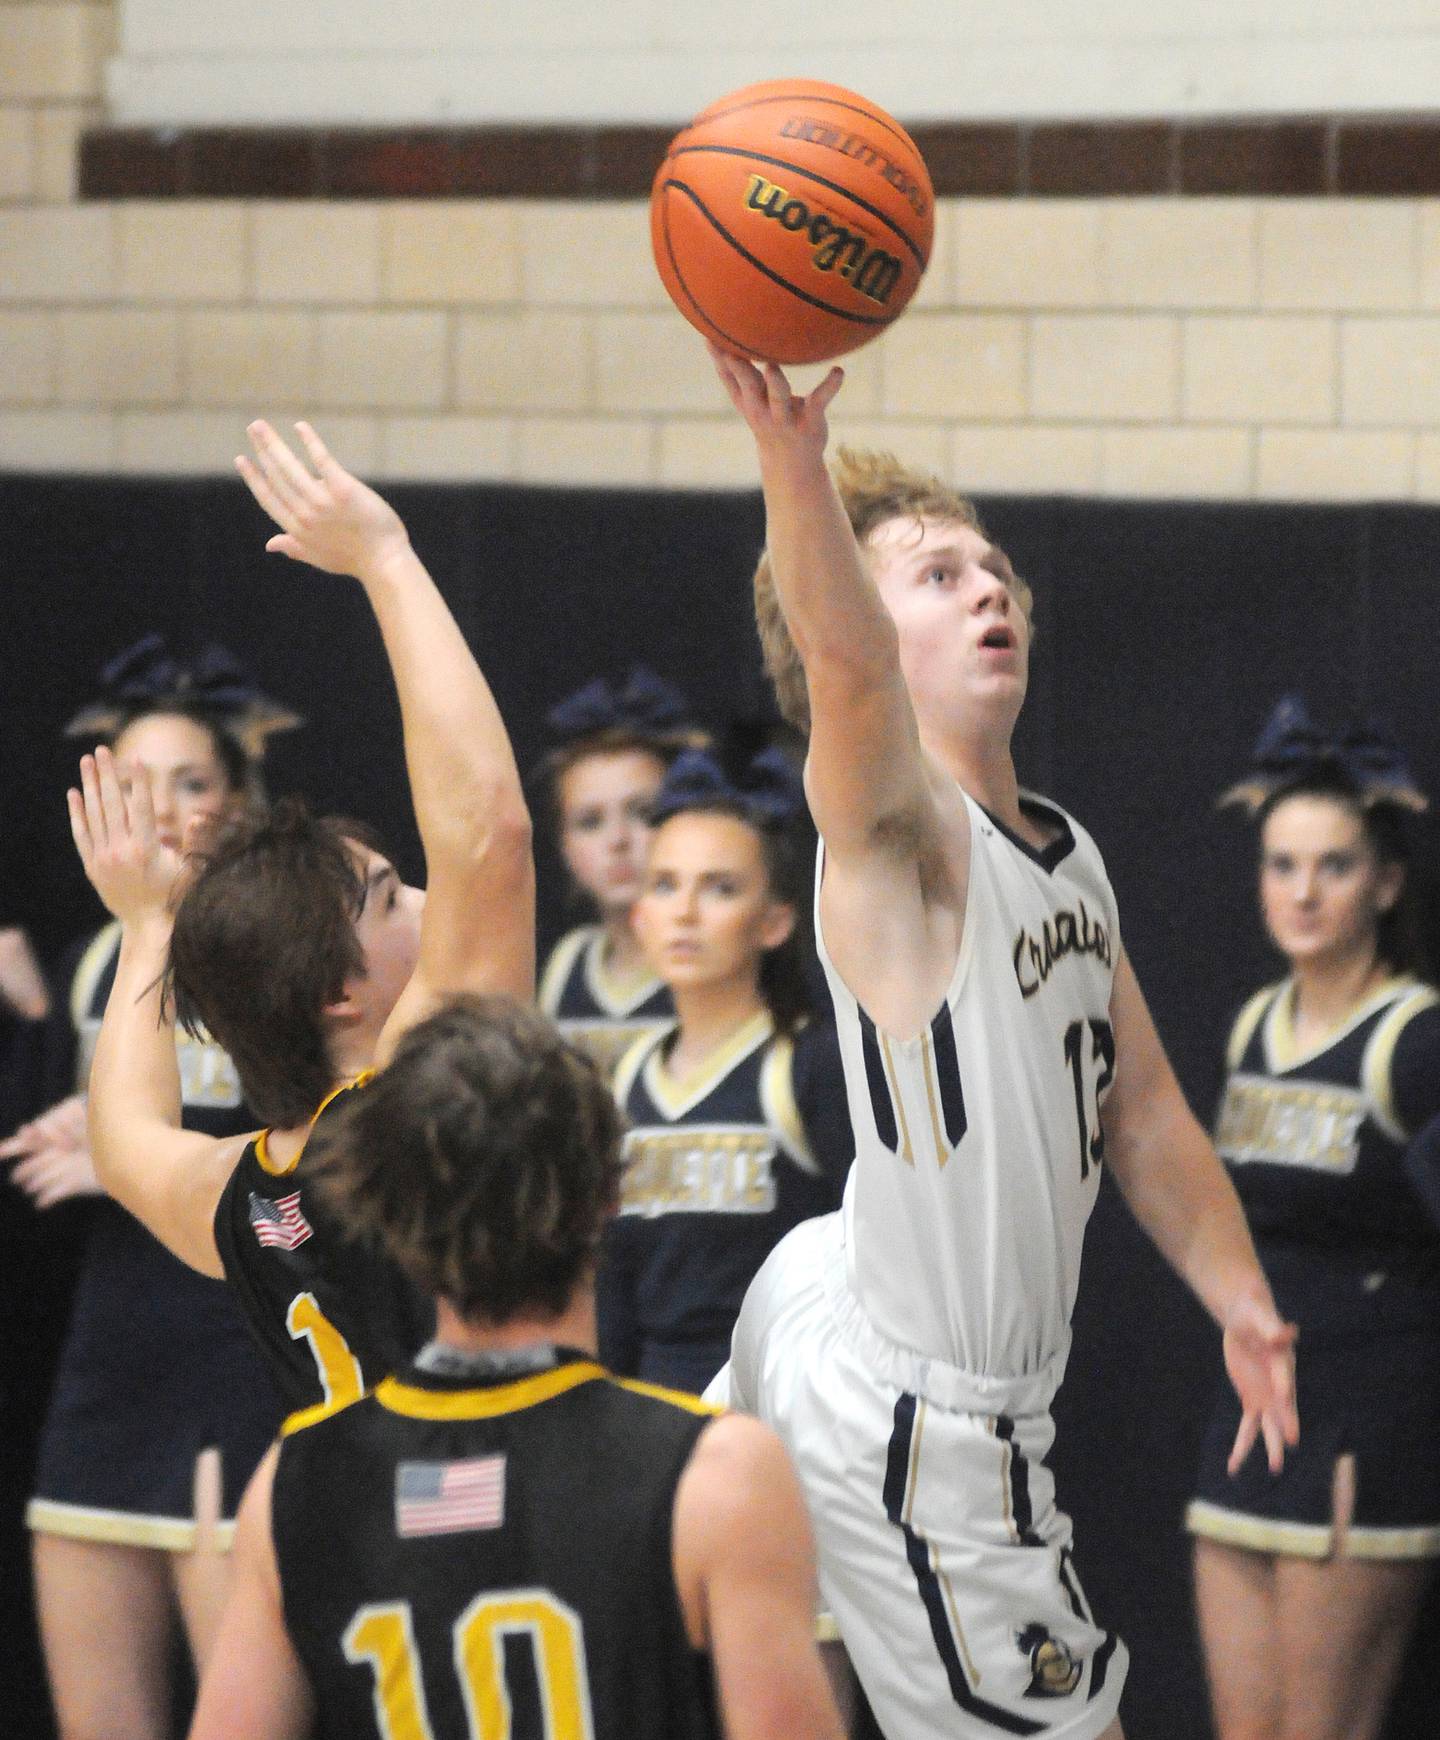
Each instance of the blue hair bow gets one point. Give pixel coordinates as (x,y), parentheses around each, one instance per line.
(645,704)
(148,677)
(1292,747)
(768,791)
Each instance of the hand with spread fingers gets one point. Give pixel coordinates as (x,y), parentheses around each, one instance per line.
(778,418)
(51,1155)
(113,825)
(326,517)
(1260,1358)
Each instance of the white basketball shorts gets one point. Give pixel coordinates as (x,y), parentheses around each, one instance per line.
(942,1554)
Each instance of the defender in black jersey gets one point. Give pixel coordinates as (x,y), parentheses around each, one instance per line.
(505,1538)
(296,946)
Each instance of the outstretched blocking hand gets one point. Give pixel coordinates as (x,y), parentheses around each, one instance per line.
(114,833)
(326,517)
(777,417)
(1260,1358)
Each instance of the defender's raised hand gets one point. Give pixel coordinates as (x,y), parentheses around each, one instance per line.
(113,826)
(326,517)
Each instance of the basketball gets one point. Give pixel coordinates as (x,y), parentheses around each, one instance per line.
(792,220)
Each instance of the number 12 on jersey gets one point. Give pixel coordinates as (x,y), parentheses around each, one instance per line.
(1090,1083)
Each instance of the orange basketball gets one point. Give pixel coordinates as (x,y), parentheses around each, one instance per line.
(791,221)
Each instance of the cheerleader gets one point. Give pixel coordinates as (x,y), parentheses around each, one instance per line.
(1308,1581)
(737,1130)
(613,747)
(162,1406)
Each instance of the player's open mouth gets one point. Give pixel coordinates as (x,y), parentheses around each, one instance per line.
(998,639)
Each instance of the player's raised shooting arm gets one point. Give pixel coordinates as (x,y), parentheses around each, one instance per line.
(478,932)
(253,1684)
(745,1568)
(865,774)
(168,1177)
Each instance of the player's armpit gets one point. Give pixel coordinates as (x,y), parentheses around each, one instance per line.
(745,1569)
(254,1684)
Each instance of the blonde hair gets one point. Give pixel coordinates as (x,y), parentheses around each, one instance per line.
(873,488)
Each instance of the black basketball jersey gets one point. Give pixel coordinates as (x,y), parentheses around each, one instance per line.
(465,1557)
(332,1316)
(717,1170)
(1315,1140)
(600,1014)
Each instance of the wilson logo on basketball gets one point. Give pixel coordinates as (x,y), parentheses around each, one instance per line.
(871,271)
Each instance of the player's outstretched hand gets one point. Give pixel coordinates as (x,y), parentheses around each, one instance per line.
(778,418)
(326,517)
(114,831)
(1260,1357)
(51,1155)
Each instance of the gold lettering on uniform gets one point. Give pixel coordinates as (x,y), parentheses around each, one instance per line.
(698,1171)
(1064,933)
(1284,1123)
(207,1076)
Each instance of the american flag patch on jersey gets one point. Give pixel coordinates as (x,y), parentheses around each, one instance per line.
(449,1498)
(279,1223)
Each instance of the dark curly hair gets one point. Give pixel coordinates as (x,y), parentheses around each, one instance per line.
(484,1159)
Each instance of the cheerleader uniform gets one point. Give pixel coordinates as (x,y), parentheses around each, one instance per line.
(600,1013)
(1315,1141)
(718,1168)
(158,1364)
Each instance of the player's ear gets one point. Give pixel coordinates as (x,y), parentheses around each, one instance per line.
(777,925)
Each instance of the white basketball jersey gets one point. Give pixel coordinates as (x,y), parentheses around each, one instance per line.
(978,1143)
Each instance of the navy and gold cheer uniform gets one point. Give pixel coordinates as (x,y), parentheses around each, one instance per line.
(157,1365)
(332,1316)
(601,1014)
(1315,1143)
(458,1546)
(718,1168)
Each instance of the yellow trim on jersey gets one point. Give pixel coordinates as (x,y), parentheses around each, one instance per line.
(262,1145)
(675,1097)
(88,973)
(557,968)
(1284,1052)
(486,1404)
(677,1398)
(633,1059)
(777,1101)
(122,1528)
(1376,1074)
(617,996)
(1245,1024)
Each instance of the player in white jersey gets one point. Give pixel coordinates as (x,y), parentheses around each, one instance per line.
(908,1348)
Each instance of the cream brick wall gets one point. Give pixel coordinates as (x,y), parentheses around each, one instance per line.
(1212,348)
